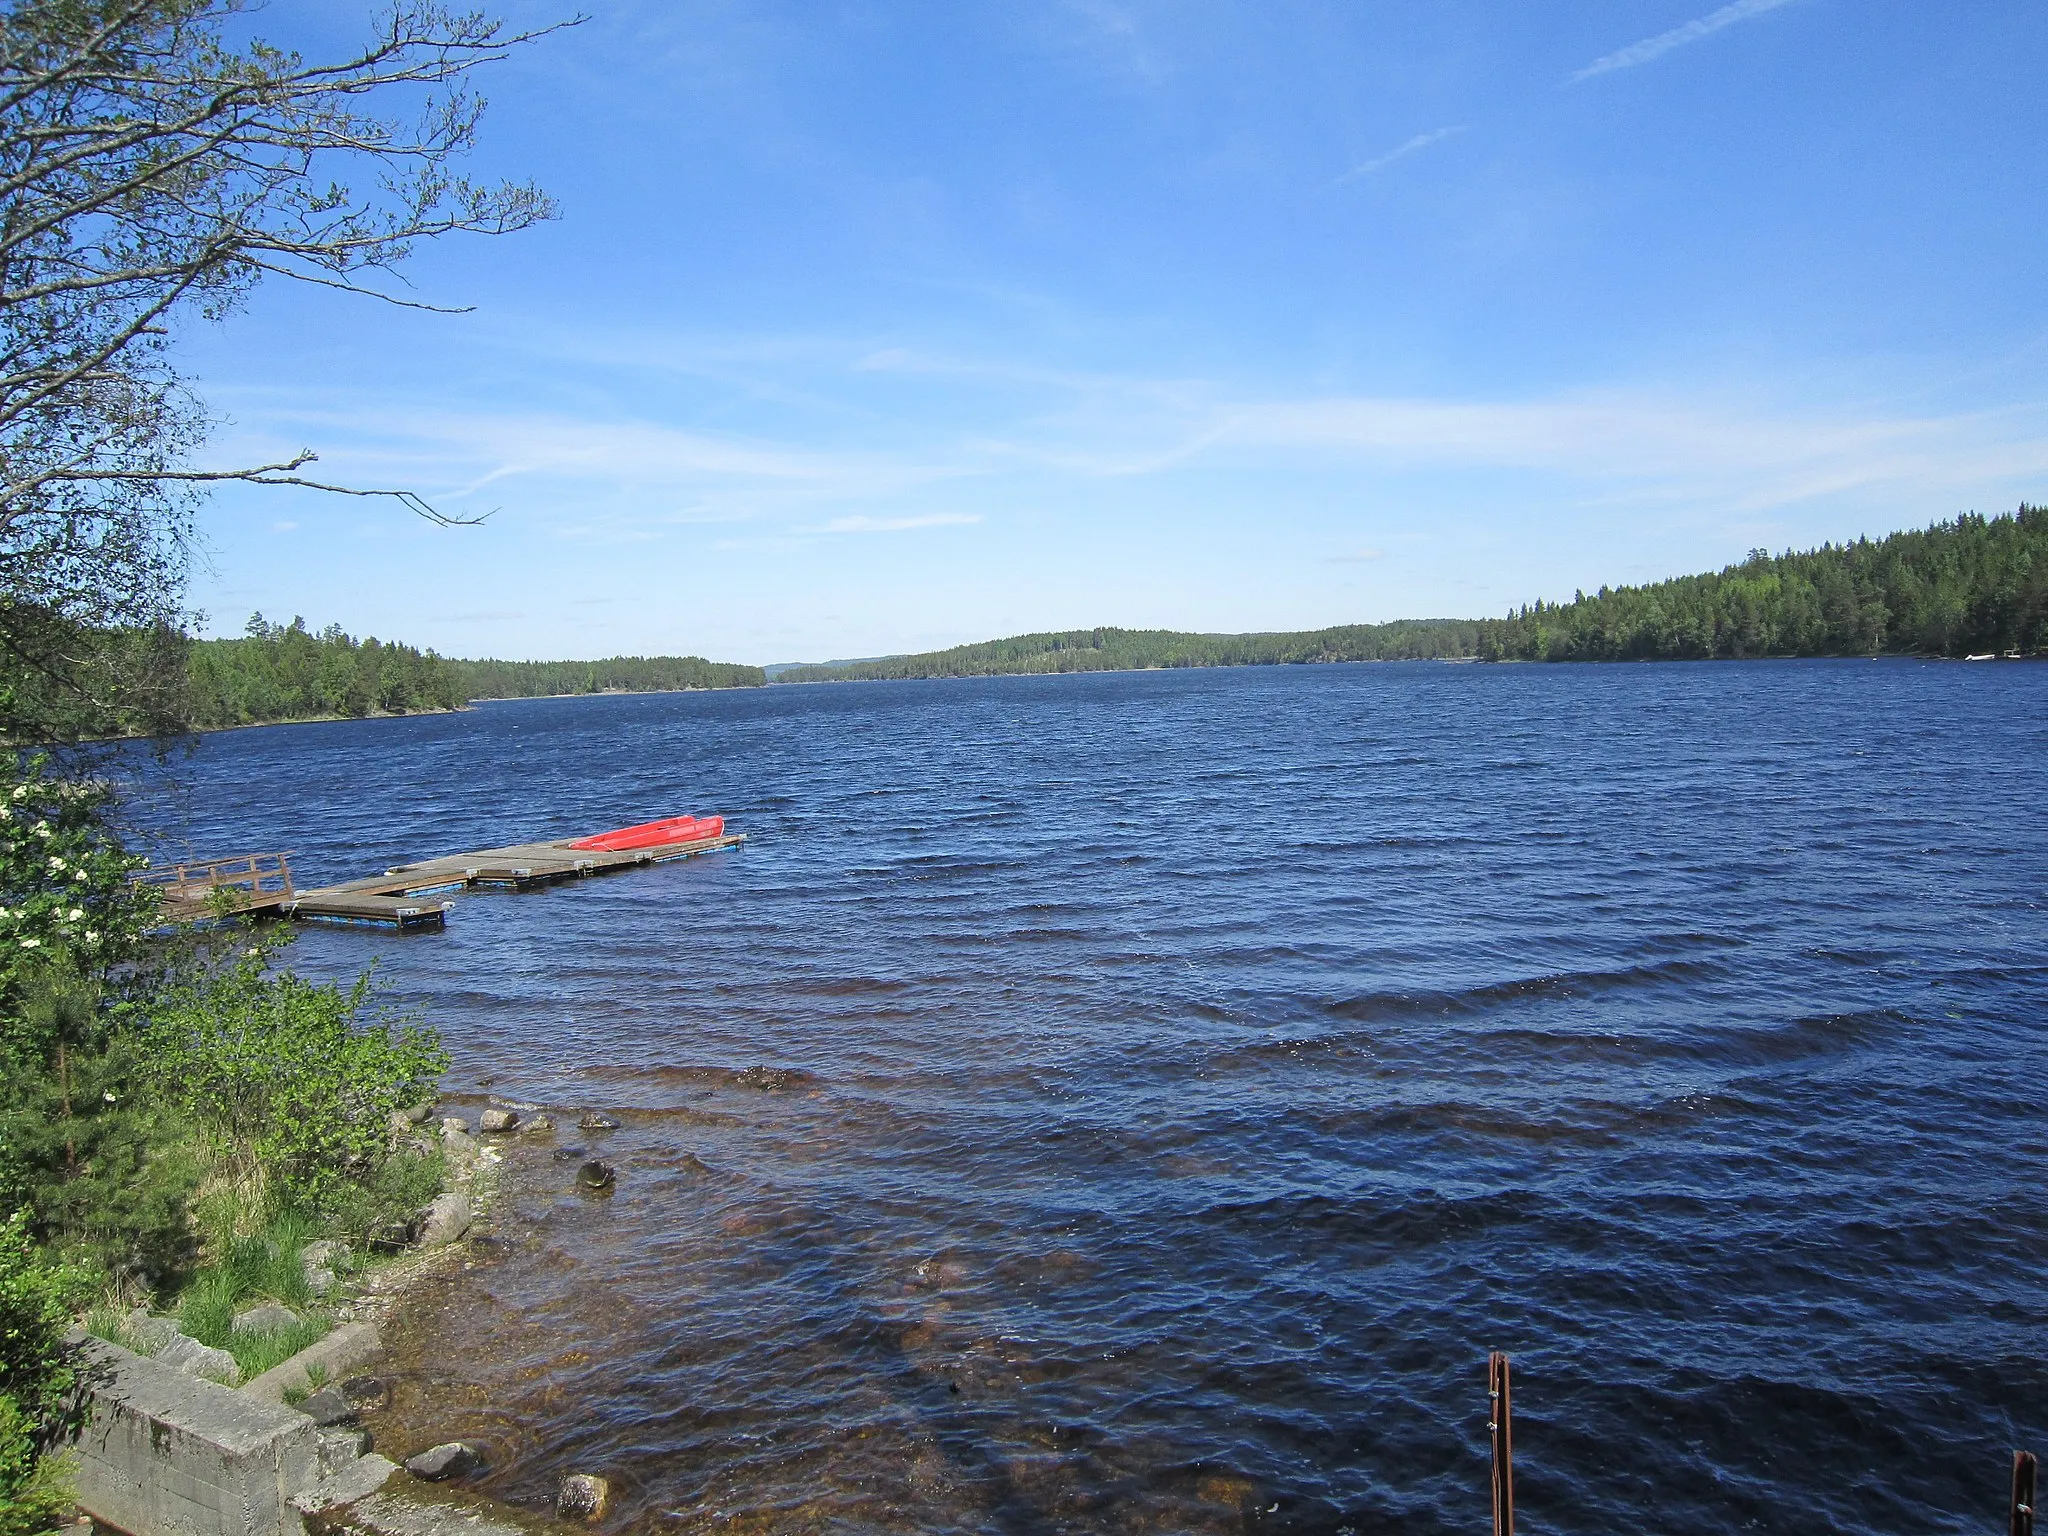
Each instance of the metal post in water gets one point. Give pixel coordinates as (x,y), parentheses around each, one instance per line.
(2022,1494)
(1501,1421)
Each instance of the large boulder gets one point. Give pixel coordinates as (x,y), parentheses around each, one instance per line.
(497,1120)
(445,1220)
(269,1317)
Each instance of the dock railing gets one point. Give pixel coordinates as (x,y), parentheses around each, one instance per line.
(250,879)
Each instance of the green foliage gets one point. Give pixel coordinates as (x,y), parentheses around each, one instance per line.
(616,674)
(86,1154)
(290,1083)
(107,1173)
(392,1191)
(285,672)
(267,1264)
(66,902)
(35,1490)
(36,1379)
(1965,587)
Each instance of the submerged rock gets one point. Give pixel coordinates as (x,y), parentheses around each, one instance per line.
(367,1393)
(443,1461)
(446,1219)
(596,1174)
(771,1079)
(591,1120)
(538,1123)
(583,1496)
(568,1154)
(497,1120)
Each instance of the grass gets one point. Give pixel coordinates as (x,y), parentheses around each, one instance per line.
(256,1353)
(109,1322)
(262,1265)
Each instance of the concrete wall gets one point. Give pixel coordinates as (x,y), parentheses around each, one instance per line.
(170,1455)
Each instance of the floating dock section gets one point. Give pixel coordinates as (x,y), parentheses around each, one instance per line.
(408,897)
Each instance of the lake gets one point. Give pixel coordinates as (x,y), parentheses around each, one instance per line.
(1175,1083)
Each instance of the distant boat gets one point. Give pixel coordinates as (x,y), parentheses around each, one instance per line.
(1987,656)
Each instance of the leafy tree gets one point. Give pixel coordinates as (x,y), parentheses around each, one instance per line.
(152,173)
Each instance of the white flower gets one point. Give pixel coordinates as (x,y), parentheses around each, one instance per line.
(77,913)
(91,937)
(31,943)
(55,862)
(42,829)
(108,1095)
(21,791)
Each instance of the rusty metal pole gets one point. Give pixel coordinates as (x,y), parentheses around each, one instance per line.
(2022,1494)
(1501,1420)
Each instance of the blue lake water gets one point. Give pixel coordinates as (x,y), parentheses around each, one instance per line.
(1184,1078)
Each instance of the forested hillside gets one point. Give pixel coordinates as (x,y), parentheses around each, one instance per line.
(616,674)
(1116,650)
(288,672)
(1966,587)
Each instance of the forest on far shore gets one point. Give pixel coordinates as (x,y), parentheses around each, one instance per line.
(289,672)
(1969,586)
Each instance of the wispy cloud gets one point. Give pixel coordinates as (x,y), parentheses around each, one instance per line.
(1357,557)
(898,524)
(1678,37)
(1402,151)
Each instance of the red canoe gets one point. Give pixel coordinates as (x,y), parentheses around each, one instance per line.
(654,834)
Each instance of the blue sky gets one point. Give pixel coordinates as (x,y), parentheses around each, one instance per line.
(883,326)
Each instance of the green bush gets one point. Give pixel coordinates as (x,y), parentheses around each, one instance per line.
(37,1408)
(394,1190)
(290,1083)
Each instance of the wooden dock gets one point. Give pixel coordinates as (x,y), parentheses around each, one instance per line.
(408,897)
